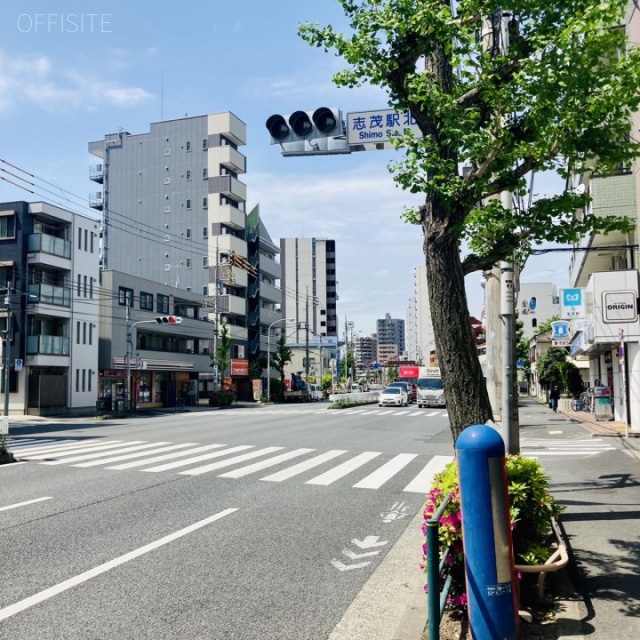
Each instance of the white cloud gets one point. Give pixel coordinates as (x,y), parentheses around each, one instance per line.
(33,79)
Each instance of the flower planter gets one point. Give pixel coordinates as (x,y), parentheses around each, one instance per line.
(6,457)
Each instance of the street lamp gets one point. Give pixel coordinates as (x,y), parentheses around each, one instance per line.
(269,353)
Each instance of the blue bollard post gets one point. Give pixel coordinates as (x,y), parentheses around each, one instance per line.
(486,533)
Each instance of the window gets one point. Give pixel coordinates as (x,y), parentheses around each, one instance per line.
(205,261)
(163,303)
(188,203)
(205,232)
(91,241)
(188,264)
(84,333)
(204,202)
(79,238)
(79,285)
(205,144)
(187,233)
(90,339)
(205,290)
(534,322)
(205,173)
(125,296)
(7,226)
(188,145)
(86,290)
(77,379)
(86,239)
(188,175)
(167,180)
(89,381)
(84,379)
(91,287)
(146,301)
(78,332)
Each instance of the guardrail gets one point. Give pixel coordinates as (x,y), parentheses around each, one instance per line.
(436,599)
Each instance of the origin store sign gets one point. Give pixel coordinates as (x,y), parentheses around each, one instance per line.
(620,306)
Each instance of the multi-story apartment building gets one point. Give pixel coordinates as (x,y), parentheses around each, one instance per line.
(536,303)
(411,328)
(174,213)
(425,336)
(309,293)
(604,271)
(49,274)
(391,331)
(365,352)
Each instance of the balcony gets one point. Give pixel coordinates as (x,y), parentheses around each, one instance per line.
(270,293)
(227,243)
(229,187)
(270,267)
(229,125)
(45,243)
(96,200)
(48,345)
(231,304)
(49,294)
(268,317)
(228,215)
(227,157)
(96,173)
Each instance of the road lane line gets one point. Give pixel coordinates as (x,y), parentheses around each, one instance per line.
(25,503)
(105,454)
(168,456)
(376,479)
(188,461)
(343,469)
(55,590)
(227,463)
(88,449)
(265,464)
(297,469)
(423,481)
(139,454)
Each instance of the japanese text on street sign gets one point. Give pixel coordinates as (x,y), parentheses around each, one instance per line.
(379,126)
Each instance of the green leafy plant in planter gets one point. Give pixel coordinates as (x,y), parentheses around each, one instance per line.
(531,508)
(5,455)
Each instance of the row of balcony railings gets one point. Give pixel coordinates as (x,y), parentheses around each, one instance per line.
(45,243)
(49,294)
(48,345)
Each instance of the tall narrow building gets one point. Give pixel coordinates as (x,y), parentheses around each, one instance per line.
(309,290)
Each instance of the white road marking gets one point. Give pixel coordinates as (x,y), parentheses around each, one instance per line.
(343,469)
(34,443)
(169,456)
(104,454)
(13,609)
(230,462)
(25,503)
(423,481)
(376,479)
(188,461)
(87,449)
(265,464)
(369,542)
(62,446)
(297,469)
(139,454)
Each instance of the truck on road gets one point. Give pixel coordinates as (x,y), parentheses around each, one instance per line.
(430,388)
(297,390)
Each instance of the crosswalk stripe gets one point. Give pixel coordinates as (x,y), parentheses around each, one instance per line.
(50,450)
(297,469)
(169,456)
(433,413)
(423,481)
(46,445)
(103,454)
(228,463)
(343,469)
(376,479)
(206,456)
(32,442)
(138,454)
(265,464)
(88,449)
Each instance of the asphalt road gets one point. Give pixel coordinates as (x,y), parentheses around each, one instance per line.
(247,523)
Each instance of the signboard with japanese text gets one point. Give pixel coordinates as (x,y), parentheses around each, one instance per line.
(560,333)
(239,367)
(379,126)
(572,303)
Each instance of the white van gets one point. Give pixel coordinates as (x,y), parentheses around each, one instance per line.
(315,392)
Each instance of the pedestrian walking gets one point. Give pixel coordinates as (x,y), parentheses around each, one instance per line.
(554,396)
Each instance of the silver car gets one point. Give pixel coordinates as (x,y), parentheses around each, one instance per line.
(394,396)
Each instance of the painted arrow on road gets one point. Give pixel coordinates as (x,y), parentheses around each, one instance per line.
(369,542)
(347,567)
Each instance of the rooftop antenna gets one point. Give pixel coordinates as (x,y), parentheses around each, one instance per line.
(162,95)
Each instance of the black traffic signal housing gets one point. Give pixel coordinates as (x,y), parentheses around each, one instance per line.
(169,320)
(318,132)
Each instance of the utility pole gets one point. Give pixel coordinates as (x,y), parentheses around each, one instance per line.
(306,324)
(127,393)
(7,348)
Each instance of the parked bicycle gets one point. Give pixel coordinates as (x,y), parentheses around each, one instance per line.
(581,403)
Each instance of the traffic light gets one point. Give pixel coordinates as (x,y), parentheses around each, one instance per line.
(169,320)
(301,133)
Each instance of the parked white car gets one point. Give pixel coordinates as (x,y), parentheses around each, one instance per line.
(393,396)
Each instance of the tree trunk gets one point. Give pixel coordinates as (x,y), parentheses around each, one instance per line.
(464,387)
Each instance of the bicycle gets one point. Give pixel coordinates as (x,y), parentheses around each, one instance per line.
(581,403)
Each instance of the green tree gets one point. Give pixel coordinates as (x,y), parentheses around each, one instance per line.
(549,367)
(560,98)
(221,358)
(279,360)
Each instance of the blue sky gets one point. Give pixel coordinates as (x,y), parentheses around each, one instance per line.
(72,71)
